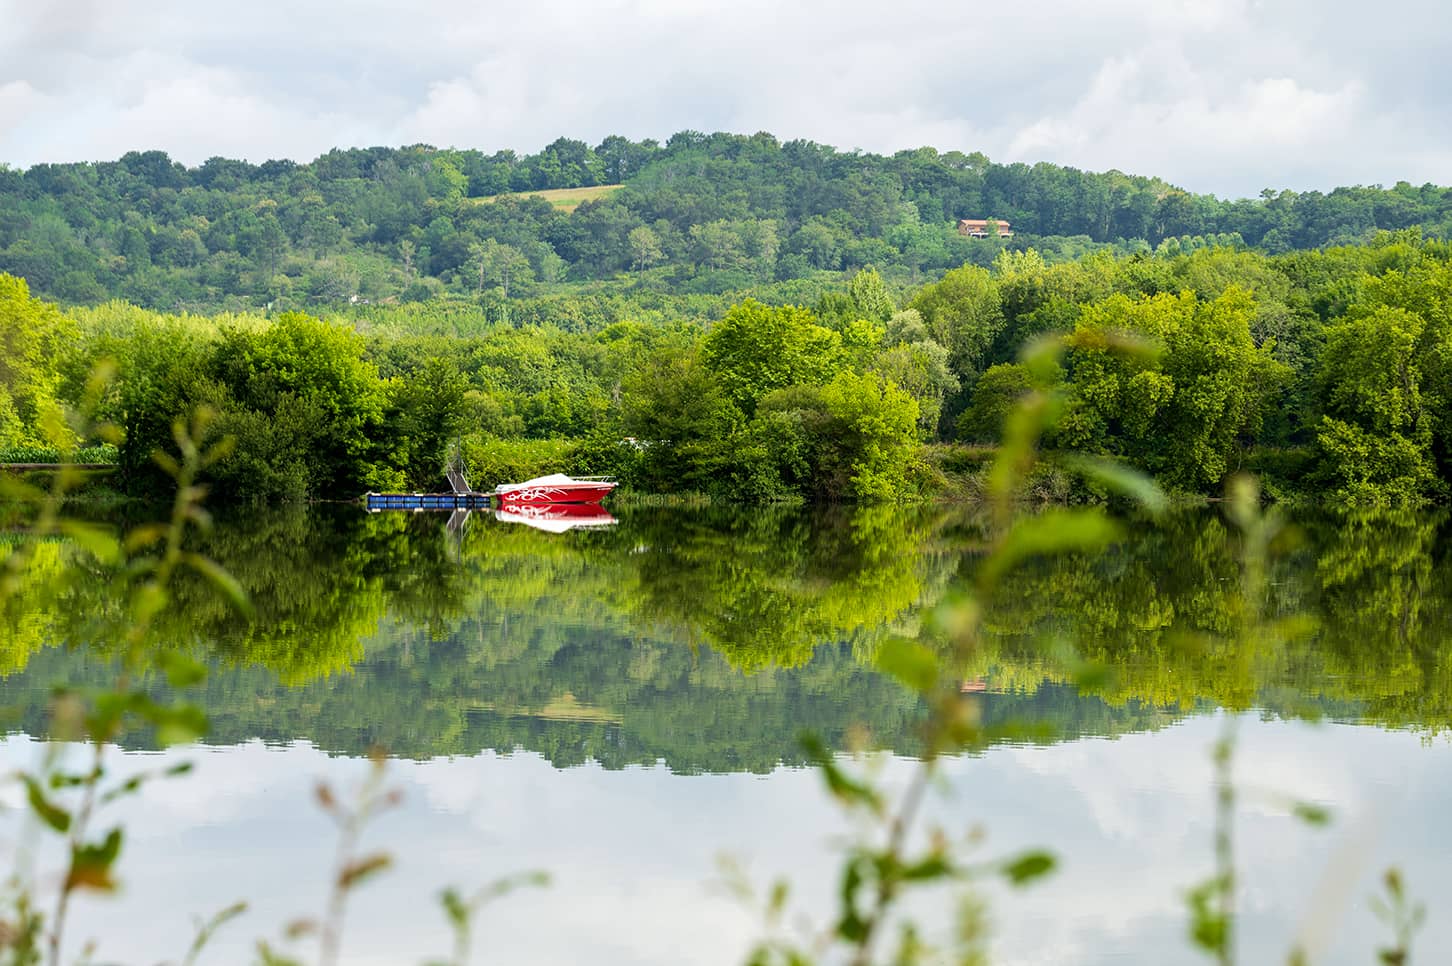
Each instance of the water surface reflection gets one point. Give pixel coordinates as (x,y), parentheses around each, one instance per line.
(620,704)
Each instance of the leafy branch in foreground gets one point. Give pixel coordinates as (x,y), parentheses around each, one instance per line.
(891,856)
(1400,913)
(460,911)
(351,870)
(66,800)
(206,930)
(1262,535)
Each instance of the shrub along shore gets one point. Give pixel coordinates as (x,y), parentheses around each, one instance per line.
(1327,372)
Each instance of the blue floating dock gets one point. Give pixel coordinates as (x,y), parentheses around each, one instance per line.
(426,501)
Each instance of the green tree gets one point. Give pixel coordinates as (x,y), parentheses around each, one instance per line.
(921,370)
(163,370)
(1173,384)
(875,435)
(870,296)
(683,419)
(1375,436)
(758,348)
(430,409)
(645,248)
(33,337)
(304,401)
(964,313)
(995,395)
(860,435)
(718,245)
(675,397)
(501,264)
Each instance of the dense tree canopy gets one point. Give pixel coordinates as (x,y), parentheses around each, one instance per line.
(699,213)
(756,349)
(32,336)
(1329,371)
(1179,402)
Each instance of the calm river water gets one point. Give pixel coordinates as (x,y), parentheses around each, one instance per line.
(621,707)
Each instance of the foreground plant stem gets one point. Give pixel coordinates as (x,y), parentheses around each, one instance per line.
(886,892)
(146,604)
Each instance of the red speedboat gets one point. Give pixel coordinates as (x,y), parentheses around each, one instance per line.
(555,488)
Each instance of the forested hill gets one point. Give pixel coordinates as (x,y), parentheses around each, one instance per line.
(698,214)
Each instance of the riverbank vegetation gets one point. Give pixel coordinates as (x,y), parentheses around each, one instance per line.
(1327,372)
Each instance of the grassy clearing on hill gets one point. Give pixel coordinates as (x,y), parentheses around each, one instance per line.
(565,199)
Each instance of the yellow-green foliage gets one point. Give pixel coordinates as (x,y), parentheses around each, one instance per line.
(963,313)
(490,461)
(33,336)
(28,615)
(757,348)
(1385,384)
(1169,381)
(122,319)
(1184,364)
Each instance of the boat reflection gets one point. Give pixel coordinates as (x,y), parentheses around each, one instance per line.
(557,517)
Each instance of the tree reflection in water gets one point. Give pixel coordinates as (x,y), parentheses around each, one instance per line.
(709,638)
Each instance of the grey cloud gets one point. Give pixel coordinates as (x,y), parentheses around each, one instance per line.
(1222,95)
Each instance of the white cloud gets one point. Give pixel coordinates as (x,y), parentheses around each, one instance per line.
(1162,104)
(632,852)
(20,104)
(1225,95)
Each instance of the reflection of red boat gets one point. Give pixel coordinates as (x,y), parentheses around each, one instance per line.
(556,517)
(555,488)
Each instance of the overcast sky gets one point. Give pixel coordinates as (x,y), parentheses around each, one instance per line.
(1229,96)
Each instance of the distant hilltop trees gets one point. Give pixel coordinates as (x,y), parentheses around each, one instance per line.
(697,213)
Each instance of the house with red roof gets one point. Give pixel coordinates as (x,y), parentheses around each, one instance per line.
(978,227)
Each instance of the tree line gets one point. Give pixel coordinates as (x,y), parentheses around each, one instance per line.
(704,214)
(1327,372)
